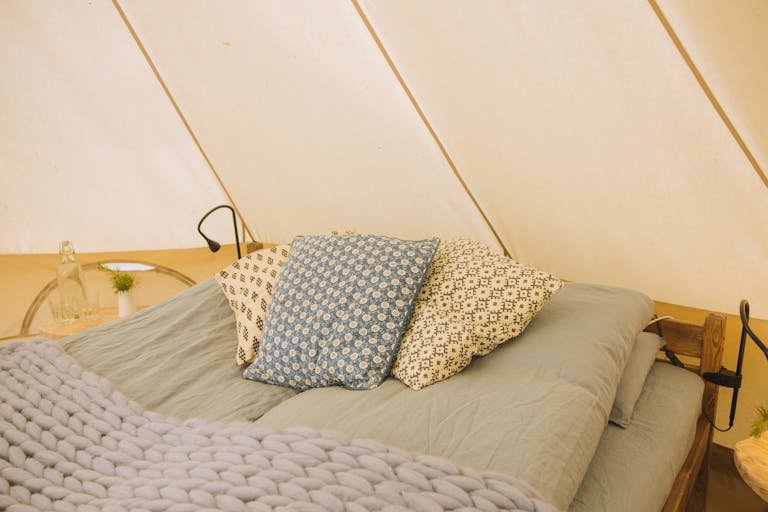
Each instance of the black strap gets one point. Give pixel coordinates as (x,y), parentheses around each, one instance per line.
(670,355)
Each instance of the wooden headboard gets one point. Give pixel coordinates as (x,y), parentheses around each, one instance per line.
(701,347)
(703,343)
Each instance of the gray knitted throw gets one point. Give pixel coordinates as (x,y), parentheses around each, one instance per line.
(69,441)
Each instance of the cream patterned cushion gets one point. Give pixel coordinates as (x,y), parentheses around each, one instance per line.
(248,284)
(472,301)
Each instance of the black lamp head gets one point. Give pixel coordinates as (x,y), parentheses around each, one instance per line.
(213,245)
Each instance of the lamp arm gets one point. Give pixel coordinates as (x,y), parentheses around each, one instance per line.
(730,379)
(234,224)
(744,313)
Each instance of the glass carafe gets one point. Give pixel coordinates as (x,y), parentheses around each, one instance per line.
(71,282)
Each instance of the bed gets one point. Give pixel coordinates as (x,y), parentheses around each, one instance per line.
(535,408)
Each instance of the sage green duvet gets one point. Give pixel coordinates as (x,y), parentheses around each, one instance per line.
(178,358)
(535,408)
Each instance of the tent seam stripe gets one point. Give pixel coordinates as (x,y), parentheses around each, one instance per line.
(426,122)
(181,115)
(707,90)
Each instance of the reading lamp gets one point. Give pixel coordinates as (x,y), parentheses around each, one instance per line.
(730,379)
(213,245)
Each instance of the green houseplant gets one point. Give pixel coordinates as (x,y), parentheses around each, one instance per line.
(122,284)
(761,422)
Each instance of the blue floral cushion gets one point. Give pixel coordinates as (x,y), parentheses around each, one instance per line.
(339,310)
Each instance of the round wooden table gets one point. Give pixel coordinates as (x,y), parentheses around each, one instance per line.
(57,330)
(751,458)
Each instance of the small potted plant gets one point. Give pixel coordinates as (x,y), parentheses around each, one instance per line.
(760,424)
(122,284)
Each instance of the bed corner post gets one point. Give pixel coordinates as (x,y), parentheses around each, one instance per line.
(711,360)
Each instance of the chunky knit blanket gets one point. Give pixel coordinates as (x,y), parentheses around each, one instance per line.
(70,441)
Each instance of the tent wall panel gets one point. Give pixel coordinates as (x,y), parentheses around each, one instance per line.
(588,141)
(90,149)
(305,123)
(728,41)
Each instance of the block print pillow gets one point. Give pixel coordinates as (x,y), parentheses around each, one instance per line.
(248,284)
(339,310)
(472,301)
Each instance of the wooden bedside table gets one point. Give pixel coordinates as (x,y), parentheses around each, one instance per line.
(751,458)
(58,330)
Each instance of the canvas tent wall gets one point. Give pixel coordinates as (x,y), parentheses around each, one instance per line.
(89,146)
(573,135)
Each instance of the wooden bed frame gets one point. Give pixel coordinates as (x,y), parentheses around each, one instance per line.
(703,344)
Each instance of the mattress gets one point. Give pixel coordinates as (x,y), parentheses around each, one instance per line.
(634,468)
(178,358)
(534,409)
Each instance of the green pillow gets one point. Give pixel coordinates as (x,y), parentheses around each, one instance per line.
(641,359)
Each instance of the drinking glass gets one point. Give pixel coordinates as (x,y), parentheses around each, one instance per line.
(90,310)
(63,312)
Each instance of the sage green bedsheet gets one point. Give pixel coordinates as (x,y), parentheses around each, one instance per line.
(634,468)
(178,358)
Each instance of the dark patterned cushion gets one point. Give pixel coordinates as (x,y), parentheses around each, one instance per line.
(472,301)
(339,310)
(248,284)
